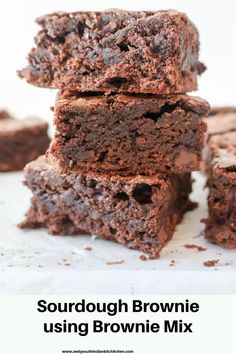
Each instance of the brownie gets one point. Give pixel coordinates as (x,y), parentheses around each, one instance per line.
(129,134)
(221,166)
(221,120)
(138,212)
(115,51)
(21,141)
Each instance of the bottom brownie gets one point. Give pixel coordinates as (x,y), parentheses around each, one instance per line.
(138,212)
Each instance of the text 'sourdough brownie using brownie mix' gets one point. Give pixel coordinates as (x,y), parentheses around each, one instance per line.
(140,212)
(221,167)
(125,134)
(116,51)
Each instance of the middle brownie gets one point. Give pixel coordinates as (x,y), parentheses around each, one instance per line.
(127,134)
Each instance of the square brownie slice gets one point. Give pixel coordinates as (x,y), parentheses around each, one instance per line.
(129,134)
(221,166)
(116,51)
(138,212)
(21,141)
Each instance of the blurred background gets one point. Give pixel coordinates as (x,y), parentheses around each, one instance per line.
(215,20)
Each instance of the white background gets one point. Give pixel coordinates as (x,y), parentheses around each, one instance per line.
(214,18)
(213,327)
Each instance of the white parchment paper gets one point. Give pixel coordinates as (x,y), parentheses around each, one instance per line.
(33,262)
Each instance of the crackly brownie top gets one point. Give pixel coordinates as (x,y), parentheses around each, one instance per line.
(121,18)
(225,160)
(189,103)
(223,147)
(110,26)
(107,21)
(221,131)
(221,120)
(50,164)
(9,124)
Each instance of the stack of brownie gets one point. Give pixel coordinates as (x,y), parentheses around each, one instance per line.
(127,136)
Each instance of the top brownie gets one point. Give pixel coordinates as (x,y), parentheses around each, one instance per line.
(116,51)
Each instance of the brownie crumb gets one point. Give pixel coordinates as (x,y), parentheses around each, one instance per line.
(155,256)
(172,263)
(211,263)
(193,206)
(115,262)
(193,246)
(143,258)
(201,233)
(88,248)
